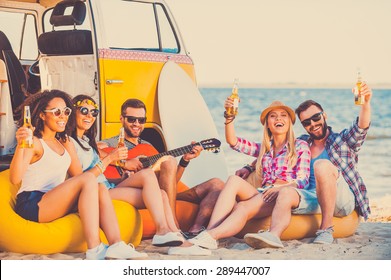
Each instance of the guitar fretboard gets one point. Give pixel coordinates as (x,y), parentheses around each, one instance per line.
(148,161)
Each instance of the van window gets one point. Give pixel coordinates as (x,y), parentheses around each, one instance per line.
(138,26)
(20,29)
(169,41)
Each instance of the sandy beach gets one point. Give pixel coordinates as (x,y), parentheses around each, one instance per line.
(372,241)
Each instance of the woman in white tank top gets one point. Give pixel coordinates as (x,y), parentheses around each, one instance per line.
(45,195)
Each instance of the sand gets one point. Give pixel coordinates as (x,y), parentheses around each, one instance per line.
(372,241)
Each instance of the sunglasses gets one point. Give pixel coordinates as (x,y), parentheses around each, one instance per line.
(84,111)
(132,119)
(58,111)
(314,118)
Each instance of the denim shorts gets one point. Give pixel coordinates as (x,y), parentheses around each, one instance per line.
(26,205)
(344,204)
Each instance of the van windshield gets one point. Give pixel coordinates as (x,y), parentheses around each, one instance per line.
(138,26)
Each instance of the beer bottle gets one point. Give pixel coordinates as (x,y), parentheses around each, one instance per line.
(121,143)
(28,142)
(358,99)
(233,111)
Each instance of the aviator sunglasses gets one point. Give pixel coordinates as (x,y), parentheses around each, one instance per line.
(84,111)
(58,111)
(314,118)
(132,119)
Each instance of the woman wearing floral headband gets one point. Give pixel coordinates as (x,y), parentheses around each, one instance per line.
(138,189)
(45,195)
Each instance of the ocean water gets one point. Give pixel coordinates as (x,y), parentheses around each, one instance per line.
(375,155)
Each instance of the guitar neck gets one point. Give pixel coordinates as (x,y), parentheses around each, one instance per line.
(148,161)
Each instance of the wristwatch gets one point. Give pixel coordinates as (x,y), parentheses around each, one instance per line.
(249,167)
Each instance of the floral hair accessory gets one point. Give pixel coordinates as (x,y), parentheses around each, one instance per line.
(87,101)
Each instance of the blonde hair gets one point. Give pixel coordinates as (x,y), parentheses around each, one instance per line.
(265,146)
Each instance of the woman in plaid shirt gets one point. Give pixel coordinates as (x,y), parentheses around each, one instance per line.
(283,165)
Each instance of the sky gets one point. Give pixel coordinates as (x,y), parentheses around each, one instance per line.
(286,41)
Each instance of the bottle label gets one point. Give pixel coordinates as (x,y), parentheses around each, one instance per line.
(356,95)
(236,103)
(29,139)
(358,98)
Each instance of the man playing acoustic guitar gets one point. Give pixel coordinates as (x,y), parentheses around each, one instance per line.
(133,118)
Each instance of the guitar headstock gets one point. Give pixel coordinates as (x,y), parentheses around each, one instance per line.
(212,145)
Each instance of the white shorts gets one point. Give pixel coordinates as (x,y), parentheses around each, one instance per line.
(344,204)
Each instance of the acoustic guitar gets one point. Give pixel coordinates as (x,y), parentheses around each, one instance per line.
(148,155)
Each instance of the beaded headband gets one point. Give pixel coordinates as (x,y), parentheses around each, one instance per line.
(87,101)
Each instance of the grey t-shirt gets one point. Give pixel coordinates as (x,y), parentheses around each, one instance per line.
(113,142)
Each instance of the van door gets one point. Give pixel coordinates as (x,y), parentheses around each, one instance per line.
(18,50)
(135,39)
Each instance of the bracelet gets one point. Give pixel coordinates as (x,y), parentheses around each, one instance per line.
(99,168)
(229,121)
(183,162)
(100,165)
(228,116)
(249,167)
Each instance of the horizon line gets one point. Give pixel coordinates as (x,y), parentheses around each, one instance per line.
(291,85)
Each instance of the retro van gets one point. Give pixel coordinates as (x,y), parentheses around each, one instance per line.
(111,50)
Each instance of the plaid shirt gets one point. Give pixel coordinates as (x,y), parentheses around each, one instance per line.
(342,149)
(276,166)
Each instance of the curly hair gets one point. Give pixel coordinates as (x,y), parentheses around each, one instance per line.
(38,103)
(92,132)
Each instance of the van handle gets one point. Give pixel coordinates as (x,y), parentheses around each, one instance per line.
(111,82)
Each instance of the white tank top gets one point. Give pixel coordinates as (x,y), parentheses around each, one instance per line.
(46,173)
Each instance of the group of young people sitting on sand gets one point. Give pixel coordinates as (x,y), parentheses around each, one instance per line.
(314,173)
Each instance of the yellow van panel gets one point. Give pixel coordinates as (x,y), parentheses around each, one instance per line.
(134,79)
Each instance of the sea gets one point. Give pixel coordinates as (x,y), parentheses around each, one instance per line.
(374,162)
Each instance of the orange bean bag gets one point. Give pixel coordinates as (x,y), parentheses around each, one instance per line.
(302,226)
(185,213)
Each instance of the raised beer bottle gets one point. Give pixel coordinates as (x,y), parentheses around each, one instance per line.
(233,111)
(121,143)
(28,142)
(358,99)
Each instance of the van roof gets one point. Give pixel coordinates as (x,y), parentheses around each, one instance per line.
(52,3)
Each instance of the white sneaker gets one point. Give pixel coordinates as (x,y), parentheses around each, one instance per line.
(97,253)
(193,250)
(324,236)
(122,251)
(204,240)
(168,239)
(263,239)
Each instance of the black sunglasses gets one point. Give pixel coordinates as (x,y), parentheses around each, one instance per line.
(314,118)
(132,119)
(84,111)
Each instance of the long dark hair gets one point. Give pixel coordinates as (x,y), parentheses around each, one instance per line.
(38,103)
(90,133)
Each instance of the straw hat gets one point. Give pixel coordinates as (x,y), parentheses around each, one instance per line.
(277,105)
